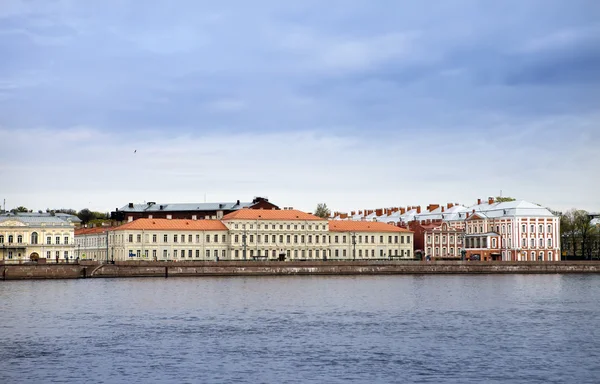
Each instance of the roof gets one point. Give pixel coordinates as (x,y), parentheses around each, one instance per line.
(270,214)
(363,226)
(518,208)
(92,231)
(173,225)
(36,220)
(178,207)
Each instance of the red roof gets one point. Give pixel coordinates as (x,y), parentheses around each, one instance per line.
(270,214)
(92,231)
(174,225)
(363,226)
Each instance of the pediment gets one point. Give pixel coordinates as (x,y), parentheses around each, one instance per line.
(12,223)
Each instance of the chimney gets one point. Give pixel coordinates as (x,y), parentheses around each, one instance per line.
(379,212)
(478,201)
(467,215)
(419,209)
(353,213)
(130,205)
(450,205)
(343,215)
(402,211)
(442,209)
(490,200)
(432,207)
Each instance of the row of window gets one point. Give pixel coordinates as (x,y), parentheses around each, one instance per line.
(281,226)
(190,254)
(502,229)
(34,239)
(437,239)
(179,239)
(450,252)
(532,243)
(10,255)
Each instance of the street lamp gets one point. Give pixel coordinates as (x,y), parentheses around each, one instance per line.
(244,244)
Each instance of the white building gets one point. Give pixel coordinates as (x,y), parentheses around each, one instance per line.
(30,237)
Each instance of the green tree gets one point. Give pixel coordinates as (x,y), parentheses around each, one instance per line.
(578,233)
(322,211)
(500,199)
(19,209)
(85,215)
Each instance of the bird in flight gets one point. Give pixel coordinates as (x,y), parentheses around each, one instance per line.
(135,151)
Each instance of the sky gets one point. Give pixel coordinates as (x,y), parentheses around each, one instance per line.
(354,103)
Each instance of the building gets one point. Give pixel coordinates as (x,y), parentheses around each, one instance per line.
(369,240)
(188,211)
(245,234)
(488,230)
(35,237)
(512,231)
(91,243)
(277,234)
(166,239)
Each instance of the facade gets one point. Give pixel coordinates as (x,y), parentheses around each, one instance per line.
(512,231)
(277,234)
(246,234)
(187,211)
(91,243)
(164,239)
(369,240)
(31,237)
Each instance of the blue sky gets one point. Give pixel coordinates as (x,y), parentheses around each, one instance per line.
(359,104)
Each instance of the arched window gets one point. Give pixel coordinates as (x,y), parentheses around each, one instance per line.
(19,239)
(34,238)
(10,239)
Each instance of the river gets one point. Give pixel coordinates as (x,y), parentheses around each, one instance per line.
(309,329)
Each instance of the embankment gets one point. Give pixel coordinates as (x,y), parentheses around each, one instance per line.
(253,268)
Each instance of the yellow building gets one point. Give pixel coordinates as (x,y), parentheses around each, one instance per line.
(30,237)
(369,240)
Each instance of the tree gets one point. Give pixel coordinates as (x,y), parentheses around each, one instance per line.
(322,211)
(500,199)
(578,232)
(85,215)
(19,209)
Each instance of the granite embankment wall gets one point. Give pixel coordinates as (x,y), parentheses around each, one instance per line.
(252,268)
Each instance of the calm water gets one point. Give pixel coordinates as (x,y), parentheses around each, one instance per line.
(454,329)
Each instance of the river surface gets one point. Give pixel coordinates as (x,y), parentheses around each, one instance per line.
(310,329)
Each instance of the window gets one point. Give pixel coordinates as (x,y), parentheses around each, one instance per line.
(208,238)
(309,239)
(389,239)
(444,239)
(66,254)
(154,239)
(57,239)
(208,253)
(295,239)
(523,228)
(336,239)
(316,253)
(437,239)
(190,253)
(372,239)
(197,253)
(19,239)
(223,253)
(183,238)
(197,238)
(381,253)
(541,243)
(444,251)
(532,228)
(281,239)
(189,238)
(165,253)
(236,238)
(503,228)
(481,229)
(48,255)
(174,238)
(288,239)
(494,243)
(541,228)
(237,253)
(1,239)
(224,238)
(34,238)
(549,229)
(217,238)
(366,239)
(273,239)
(549,256)
(524,243)
(139,238)
(344,253)
(396,239)
(380,239)
(372,253)
(337,252)
(407,239)
(549,243)
(252,238)
(166,238)
(302,239)
(154,253)
(175,253)
(532,243)
(408,253)
(452,239)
